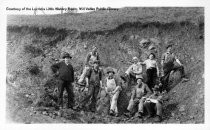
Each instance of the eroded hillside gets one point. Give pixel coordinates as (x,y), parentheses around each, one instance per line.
(31,50)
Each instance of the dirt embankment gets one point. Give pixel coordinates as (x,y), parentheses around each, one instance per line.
(31,51)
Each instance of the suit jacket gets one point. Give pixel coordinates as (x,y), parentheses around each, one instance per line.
(66,72)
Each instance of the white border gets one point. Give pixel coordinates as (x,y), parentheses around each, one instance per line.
(102,3)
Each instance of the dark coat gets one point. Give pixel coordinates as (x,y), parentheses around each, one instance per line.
(66,72)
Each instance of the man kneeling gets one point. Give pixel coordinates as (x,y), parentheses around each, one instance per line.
(113,89)
(153,105)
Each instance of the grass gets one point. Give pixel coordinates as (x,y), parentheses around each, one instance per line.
(103,20)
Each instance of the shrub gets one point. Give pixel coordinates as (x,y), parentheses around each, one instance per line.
(34,51)
(34,70)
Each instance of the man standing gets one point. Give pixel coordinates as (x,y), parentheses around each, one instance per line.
(138,96)
(92,56)
(93,83)
(168,61)
(65,73)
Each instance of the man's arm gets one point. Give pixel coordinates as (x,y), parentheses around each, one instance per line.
(87,59)
(72,74)
(55,67)
(158,72)
(88,74)
(133,94)
(149,92)
(178,61)
(98,58)
(162,59)
(129,69)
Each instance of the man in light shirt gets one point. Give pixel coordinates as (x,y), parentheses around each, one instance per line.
(151,70)
(134,71)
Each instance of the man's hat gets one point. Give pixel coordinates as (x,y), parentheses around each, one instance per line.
(135,58)
(168,46)
(139,77)
(156,88)
(65,55)
(96,61)
(110,70)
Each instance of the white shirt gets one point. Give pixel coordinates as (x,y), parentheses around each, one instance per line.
(135,68)
(111,84)
(150,63)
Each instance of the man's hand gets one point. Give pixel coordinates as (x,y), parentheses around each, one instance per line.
(87,85)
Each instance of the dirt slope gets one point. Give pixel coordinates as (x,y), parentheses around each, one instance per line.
(31,51)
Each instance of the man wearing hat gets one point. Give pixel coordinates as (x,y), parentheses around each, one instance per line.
(140,92)
(113,88)
(133,71)
(153,104)
(92,56)
(66,78)
(170,63)
(93,83)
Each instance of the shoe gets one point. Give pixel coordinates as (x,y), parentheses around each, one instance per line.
(116,115)
(128,114)
(149,116)
(111,113)
(93,110)
(81,83)
(184,80)
(158,118)
(140,114)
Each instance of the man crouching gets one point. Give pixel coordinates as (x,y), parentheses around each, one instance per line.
(153,105)
(139,94)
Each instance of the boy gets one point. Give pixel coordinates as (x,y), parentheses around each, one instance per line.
(113,89)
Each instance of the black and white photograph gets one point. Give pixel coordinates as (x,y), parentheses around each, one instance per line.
(90,64)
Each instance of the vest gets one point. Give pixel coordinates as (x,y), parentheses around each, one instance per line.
(95,77)
(111,84)
(92,58)
(140,91)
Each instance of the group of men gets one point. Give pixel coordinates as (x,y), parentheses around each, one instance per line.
(146,94)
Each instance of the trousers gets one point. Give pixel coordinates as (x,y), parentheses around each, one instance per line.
(69,88)
(167,71)
(151,77)
(93,91)
(136,102)
(113,101)
(152,108)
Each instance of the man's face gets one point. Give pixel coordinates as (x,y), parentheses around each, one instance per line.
(151,57)
(67,60)
(94,50)
(110,74)
(155,92)
(139,81)
(135,61)
(95,65)
(169,49)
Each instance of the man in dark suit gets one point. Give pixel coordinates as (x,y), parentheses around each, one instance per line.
(65,73)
